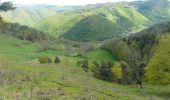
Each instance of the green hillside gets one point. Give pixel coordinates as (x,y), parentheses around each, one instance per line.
(31,14)
(23,77)
(121,14)
(158,70)
(129,18)
(28,15)
(93,28)
(157,12)
(21,43)
(14,49)
(151,47)
(22,32)
(123,17)
(140,45)
(59,24)
(109,51)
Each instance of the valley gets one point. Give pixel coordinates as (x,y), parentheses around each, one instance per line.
(105,51)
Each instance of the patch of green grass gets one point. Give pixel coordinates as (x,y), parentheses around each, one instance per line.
(100,54)
(51,53)
(13,49)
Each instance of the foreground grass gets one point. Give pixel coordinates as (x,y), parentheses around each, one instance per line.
(26,81)
(29,80)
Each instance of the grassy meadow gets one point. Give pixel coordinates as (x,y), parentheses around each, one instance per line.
(25,81)
(22,77)
(107,51)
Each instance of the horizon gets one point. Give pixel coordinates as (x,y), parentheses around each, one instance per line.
(63,2)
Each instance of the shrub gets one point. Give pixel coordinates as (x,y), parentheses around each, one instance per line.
(79,63)
(85,65)
(103,70)
(117,71)
(57,60)
(126,73)
(44,60)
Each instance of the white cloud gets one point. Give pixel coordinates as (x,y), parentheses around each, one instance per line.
(62,2)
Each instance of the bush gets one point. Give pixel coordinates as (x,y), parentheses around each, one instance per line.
(85,65)
(117,71)
(79,63)
(120,72)
(44,60)
(103,70)
(126,73)
(57,60)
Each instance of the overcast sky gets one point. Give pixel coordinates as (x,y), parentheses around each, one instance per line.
(62,2)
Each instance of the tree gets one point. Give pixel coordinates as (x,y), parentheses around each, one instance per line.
(119,49)
(85,65)
(6,6)
(126,73)
(103,70)
(79,63)
(138,72)
(44,60)
(158,69)
(57,60)
(117,71)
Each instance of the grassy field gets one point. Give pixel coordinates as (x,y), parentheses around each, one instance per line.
(25,81)
(99,55)
(14,49)
(23,78)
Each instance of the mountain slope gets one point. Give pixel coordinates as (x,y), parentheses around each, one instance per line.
(59,24)
(139,46)
(31,14)
(22,32)
(158,69)
(150,48)
(93,28)
(130,19)
(21,43)
(156,11)
(122,16)
(28,15)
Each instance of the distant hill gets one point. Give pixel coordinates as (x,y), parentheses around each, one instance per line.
(31,14)
(139,46)
(155,10)
(128,17)
(22,32)
(93,28)
(59,24)
(120,16)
